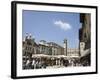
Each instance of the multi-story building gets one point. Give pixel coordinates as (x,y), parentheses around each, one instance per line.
(55,48)
(29,46)
(73,52)
(48,48)
(51,49)
(43,47)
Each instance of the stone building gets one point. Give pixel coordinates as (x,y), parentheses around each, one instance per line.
(29,46)
(49,53)
(85,31)
(85,39)
(48,48)
(56,49)
(43,47)
(73,52)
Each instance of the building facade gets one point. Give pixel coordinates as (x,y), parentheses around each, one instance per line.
(73,52)
(85,39)
(53,52)
(48,48)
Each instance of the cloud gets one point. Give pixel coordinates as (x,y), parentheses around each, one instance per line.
(63,25)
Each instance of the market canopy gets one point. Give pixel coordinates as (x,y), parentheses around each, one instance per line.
(39,55)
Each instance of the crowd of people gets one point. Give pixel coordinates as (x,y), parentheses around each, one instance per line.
(38,63)
(33,64)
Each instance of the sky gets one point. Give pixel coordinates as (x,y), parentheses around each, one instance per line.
(52,26)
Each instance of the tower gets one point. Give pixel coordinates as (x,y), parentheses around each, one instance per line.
(65,47)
